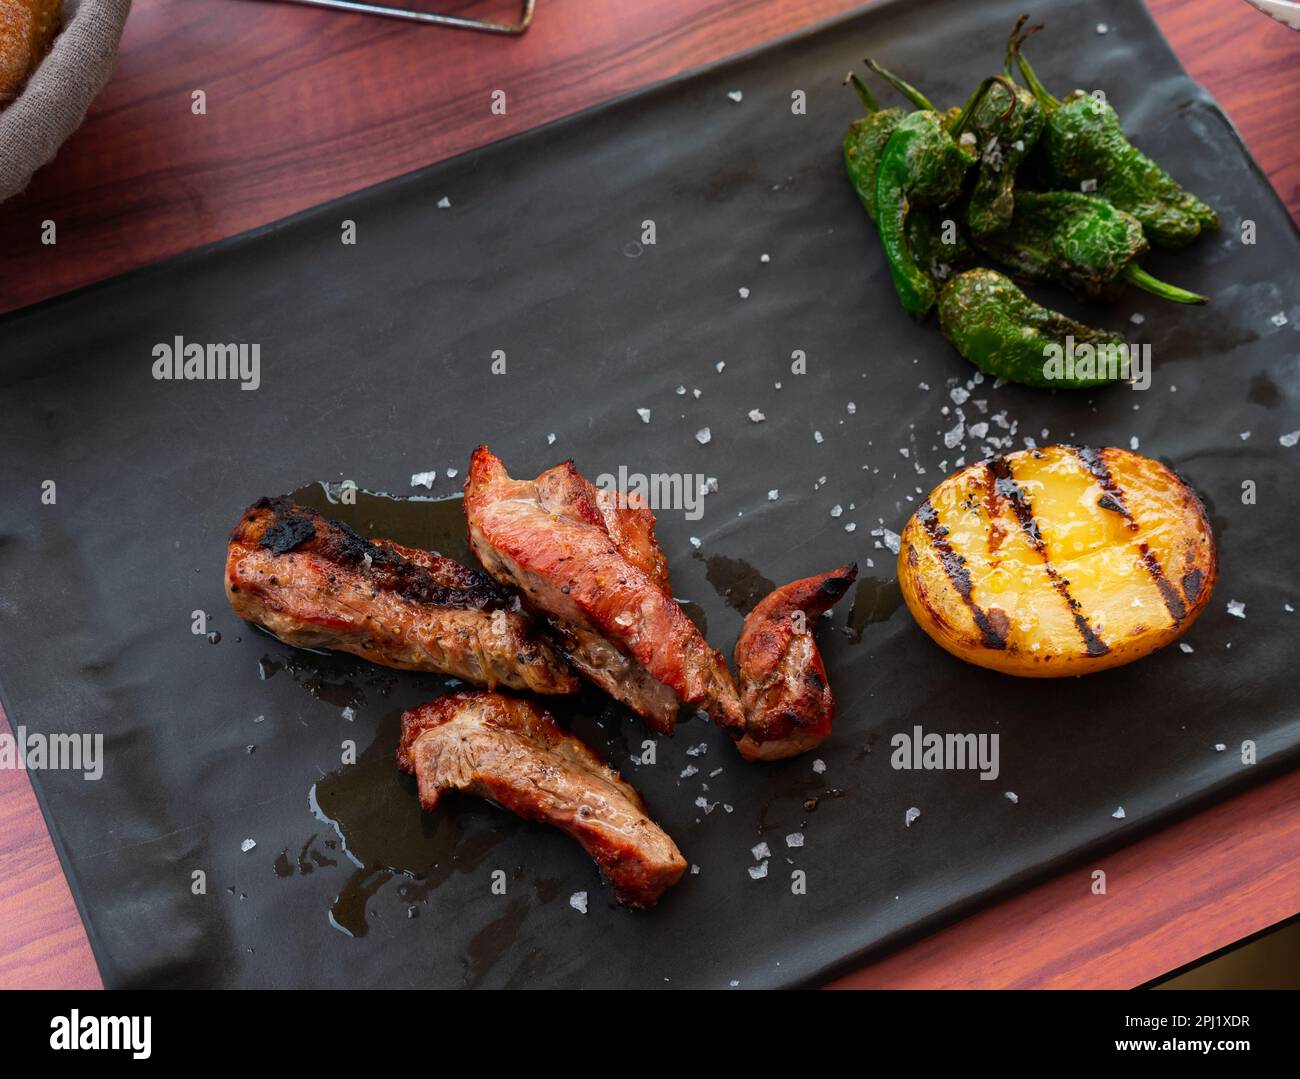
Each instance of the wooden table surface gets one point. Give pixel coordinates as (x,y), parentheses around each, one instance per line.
(305,105)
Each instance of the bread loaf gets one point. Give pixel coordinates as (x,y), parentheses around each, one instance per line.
(27,29)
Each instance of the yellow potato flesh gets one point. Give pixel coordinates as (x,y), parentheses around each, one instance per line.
(1058,561)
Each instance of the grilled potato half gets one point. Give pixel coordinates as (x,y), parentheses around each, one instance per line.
(1058,561)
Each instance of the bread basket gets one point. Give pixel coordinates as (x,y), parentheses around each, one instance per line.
(54,102)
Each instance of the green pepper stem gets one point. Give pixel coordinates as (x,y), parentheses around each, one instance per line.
(1011,46)
(968,110)
(1044,96)
(1135,275)
(864,92)
(905,88)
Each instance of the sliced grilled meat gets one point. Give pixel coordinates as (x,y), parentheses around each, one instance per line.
(316,583)
(513,753)
(604,589)
(783,685)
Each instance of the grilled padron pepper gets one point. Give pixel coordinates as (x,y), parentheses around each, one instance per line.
(1078,241)
(865,142)
(1004,126)
(923,165)
(1082,141)
(1007,124)
(937,249)
(1005,334)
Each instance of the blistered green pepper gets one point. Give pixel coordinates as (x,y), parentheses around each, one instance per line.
(864,143)
(1005,334)
(1006,124)
(1083,145)
(938,248)
(1083,243)
(922,166)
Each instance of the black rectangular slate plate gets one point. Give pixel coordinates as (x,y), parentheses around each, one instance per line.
(376,364)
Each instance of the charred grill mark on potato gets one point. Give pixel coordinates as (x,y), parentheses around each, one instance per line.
(993,633)
(1113,499)
(1009,489)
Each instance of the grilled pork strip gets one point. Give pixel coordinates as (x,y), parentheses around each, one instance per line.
(316,583)
(783,685)
(513,753)
(603,587)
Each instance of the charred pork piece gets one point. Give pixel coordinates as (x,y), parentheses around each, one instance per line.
(316,583)
(783,686)
(594,569)
(513,753)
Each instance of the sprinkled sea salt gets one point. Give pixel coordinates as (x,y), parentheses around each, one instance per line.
(349,713)
(1219,747)
(452,473)
(1102,28)
(819,766)
(760,852)
(744,292)
(1291,439)
(703,436)
(764,257)
(736,96)
(444,203)
(1186,647)
(578,901)
(424,479)
(1119,813)
(1279,319)
(758,872)
(911,815)
(644,413)
(247,845)
(837,510)
(550,439)
(755,416)
(1012,797)
(794,839)
(773,494)
(1236,608)
(695,542)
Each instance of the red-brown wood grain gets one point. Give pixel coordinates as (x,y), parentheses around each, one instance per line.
(305,105)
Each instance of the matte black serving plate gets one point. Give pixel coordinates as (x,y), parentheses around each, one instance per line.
(376,363)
